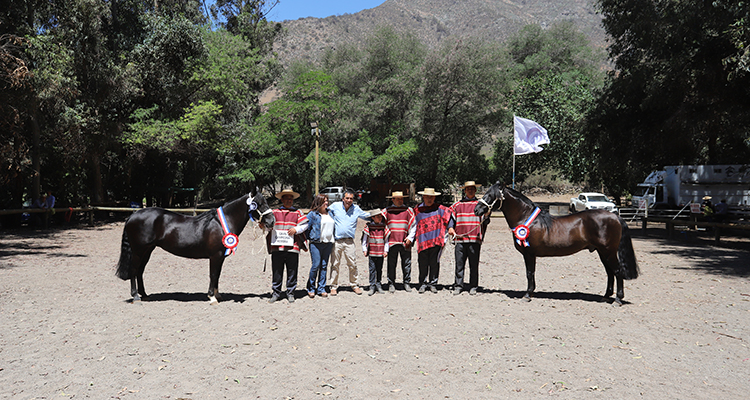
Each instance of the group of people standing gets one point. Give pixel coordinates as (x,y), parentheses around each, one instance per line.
(389,233)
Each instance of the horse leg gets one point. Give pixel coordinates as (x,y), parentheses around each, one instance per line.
(215,271)
(610,268)
(610,265)
(530,262)
(134,290)
(620,291)
(136,282)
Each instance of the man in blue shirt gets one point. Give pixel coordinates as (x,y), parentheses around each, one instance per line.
(345,215)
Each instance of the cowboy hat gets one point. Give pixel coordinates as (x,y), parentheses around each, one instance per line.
(470,183)
(375,212)
(284,192)
(429,192)
(706,197)
(395,194)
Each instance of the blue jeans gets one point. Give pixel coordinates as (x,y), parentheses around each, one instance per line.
(376,271)
(319,254)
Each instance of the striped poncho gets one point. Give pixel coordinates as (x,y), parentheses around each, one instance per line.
(431,225)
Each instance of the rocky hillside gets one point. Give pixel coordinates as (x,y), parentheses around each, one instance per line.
(434,20)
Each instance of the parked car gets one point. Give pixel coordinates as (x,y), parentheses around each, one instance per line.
(336,193)
(592,201)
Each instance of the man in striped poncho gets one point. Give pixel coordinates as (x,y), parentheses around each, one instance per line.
(400,221)
(432,220)
(468,230)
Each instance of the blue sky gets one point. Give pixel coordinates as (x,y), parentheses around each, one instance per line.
(294,9)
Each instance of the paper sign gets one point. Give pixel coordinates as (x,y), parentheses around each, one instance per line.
(282,238)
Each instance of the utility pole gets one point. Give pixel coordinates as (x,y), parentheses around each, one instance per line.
(316,133)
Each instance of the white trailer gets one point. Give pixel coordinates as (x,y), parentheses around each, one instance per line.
(679,185)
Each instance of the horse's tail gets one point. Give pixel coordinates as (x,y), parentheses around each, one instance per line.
(124,269)
(626,255)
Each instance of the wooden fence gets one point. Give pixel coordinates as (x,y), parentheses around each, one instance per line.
(46,213)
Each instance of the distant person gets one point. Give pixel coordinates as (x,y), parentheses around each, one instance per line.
(721,211)
(49,201)
(321,231)
(400,221)
(345,215)
(432,221)
(707,208)
(375,247)
(40,202)
(285,247)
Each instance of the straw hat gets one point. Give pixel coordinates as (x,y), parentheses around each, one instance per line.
(375,212)
(284,192)
(429,192)
(395,194)
(470,183)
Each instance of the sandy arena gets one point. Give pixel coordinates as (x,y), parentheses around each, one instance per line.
(67,329)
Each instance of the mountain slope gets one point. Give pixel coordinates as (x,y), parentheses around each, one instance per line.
(435,20)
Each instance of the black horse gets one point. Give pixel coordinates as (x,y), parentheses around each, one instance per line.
(539,234)
(203,236)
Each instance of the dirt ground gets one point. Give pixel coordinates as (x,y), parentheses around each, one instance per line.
(67,329)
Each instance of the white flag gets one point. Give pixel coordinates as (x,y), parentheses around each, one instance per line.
(528,135)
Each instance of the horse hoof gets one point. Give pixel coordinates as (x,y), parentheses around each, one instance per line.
(526,298)
(617,302)
(213,300)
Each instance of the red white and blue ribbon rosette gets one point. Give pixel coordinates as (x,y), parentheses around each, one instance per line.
(251,206)
(230,240)
(521,232)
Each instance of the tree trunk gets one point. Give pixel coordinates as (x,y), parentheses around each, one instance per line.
(36,162)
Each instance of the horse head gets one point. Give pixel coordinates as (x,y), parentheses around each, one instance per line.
(487,203)
(259,209)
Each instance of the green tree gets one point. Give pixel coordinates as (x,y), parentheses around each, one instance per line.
(678,94)
(462,98)
(556,76)
(378,85)
(280,143)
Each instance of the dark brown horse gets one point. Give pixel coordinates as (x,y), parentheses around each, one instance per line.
(203,236)
(536,233)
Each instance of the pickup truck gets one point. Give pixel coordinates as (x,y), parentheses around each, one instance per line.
(592,201)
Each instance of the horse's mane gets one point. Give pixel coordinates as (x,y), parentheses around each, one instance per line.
(544,217)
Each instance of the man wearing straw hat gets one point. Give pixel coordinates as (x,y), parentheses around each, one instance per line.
(400,221)
(432,220)
(468,232)
(290,222)
(345,215)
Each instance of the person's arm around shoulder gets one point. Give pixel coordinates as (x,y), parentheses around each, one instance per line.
(302,224)
(365,238)
(361,214)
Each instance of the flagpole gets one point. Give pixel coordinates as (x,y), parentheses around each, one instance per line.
(513,150)
(514,170)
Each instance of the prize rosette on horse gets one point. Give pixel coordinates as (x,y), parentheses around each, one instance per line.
(521,232)
(230,241)
(251,206)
